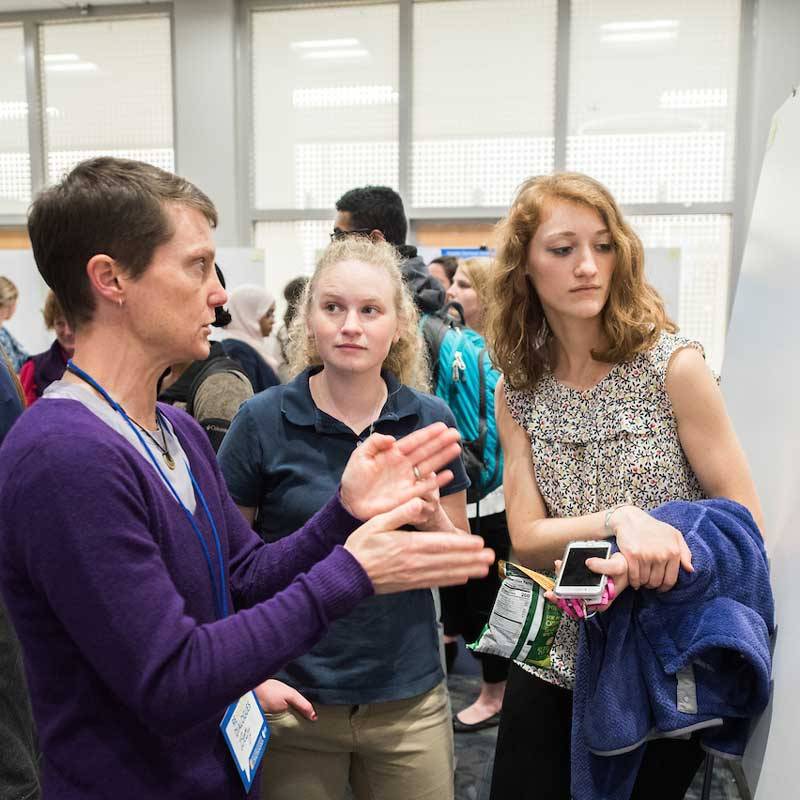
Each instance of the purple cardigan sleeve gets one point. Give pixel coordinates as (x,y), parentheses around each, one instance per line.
(89,548)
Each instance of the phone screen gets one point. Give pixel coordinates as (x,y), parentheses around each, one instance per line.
(576,573)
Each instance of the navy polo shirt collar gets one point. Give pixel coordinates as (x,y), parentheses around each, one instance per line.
(299,408)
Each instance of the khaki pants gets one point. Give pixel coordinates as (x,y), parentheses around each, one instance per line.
(400,750)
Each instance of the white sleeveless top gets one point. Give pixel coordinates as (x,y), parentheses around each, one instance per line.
(616,442)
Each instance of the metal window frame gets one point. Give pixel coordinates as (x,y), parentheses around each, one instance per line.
(465,214)
(31,22)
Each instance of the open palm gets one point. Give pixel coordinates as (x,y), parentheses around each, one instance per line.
(380,474)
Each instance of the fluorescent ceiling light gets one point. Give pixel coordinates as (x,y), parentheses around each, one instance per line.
(644,36)
(60,58)
(316,44)
(344,96)
(641,25)
(80,66)
(338,55)
(694,98)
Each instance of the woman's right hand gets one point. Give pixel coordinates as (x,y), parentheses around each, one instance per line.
(653,550)
(396,560)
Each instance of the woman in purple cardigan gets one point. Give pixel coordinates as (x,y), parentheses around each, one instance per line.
(146,607)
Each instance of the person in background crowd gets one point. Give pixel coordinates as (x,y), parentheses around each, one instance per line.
(39,371)
(470,289)
(9,295)
(252,311)
(443,269)
(377,212)
(210,390)
(292,293)
(605,413)
(19,760)
(466,609)
(144,603)
(380,718)
(12,398)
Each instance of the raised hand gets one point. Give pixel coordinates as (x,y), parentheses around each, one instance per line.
(396,561)
(384,472)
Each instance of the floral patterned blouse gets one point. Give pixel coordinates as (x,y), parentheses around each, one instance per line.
(616,442)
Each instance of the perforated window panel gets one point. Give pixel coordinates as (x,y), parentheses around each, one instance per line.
(15,161)
(108,90)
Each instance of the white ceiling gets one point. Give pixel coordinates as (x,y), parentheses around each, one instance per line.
(42,5)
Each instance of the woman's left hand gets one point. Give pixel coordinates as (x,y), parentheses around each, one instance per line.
(615,567)
(437,519)
(382,473)
(276,696)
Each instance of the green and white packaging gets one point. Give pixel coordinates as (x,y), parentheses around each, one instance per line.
(523,624)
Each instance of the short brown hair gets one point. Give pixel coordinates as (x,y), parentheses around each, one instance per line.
(633,316)
(449,265)
(104,205)
(52,310)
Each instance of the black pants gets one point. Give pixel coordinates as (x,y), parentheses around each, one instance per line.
(532,759)
(466,609)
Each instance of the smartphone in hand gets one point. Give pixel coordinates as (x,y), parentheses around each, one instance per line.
(576,580)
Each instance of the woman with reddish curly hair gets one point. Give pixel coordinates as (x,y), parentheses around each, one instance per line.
(604,413)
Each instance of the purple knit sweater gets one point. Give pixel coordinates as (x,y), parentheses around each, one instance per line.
(129,671)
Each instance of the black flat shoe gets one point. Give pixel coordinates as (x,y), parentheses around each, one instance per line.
(466,727)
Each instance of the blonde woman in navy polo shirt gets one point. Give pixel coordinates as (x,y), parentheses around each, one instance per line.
(368,705)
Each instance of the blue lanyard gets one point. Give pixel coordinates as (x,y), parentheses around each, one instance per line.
(220,592)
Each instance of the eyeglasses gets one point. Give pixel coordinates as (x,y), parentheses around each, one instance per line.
(338,233)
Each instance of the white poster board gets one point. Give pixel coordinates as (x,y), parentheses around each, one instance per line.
(761,385)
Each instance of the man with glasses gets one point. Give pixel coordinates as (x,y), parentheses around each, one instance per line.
(377,212)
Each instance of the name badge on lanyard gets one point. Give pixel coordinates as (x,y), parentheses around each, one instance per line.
(245,730)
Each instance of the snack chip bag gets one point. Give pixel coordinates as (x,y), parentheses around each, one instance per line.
(522,625)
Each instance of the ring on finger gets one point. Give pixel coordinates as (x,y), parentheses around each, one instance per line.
(417,474)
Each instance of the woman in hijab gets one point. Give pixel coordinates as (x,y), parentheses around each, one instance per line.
(252,310)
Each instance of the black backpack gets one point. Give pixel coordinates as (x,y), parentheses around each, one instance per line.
(185,389)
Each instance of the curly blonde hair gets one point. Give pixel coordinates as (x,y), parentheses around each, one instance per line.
(406,358)
(633,317)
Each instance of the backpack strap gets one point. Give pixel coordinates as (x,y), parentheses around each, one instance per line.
(434,329)
(482,426)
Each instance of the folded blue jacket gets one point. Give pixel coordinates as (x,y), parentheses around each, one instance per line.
(696,658)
